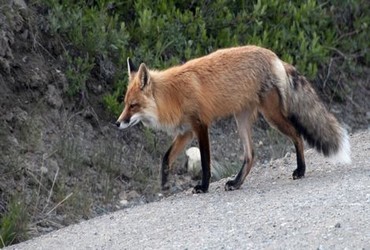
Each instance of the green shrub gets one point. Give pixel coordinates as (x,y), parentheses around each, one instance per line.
(92,31)
(90,27)
(163,33)
(350,19)
(77,72)
(111,101)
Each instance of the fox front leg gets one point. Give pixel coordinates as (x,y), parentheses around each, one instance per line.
(201,131)
(178,145)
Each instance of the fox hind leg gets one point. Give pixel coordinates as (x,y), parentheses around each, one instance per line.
(244,123)
(271,110)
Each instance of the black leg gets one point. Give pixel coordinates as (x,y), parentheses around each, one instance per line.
(178,145)
(202,133)
(165,169)
(301,166)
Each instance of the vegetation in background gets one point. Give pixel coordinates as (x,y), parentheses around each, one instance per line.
(77,71)
(307,33)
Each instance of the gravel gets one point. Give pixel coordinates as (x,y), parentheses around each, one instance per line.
(328,209)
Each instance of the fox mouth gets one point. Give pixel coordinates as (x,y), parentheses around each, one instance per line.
(132,122)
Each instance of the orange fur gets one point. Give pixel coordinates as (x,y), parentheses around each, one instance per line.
(213,86)
(239,81)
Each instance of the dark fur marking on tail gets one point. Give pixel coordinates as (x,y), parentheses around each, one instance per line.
(312,139)
(297,78)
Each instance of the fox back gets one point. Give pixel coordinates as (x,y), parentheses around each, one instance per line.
(214,86)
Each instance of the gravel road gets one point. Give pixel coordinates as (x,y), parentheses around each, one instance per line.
(328,209)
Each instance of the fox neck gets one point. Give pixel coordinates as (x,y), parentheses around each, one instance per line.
(169,97)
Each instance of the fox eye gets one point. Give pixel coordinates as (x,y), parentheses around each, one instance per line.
(133,105)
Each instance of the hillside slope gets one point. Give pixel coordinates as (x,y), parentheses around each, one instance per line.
(328,209)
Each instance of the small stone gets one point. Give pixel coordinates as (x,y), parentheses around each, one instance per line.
(4,65)
(13,140)
(335,110)
(123,202)
(338,225)
(321,247)
(132,195)
(38,79)
(43,170)
(53,97)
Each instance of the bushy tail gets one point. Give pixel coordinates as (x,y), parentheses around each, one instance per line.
(313,121)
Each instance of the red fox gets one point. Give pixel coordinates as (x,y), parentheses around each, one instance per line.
(239,81)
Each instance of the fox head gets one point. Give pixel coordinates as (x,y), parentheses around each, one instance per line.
(139,103)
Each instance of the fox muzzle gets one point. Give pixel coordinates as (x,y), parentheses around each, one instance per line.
(127,123)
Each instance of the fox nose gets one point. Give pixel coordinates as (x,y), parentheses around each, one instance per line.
(118,123)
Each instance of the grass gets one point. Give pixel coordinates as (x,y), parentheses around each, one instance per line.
(72,203)
(150,139)
(278,143)
(144,175)
(107,158)
(70,152)
(14,223)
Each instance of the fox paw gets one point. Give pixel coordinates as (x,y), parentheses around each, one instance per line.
(198,189)
(231,185)
(297,174)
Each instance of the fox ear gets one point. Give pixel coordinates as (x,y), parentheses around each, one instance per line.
(131,67)
(144,76)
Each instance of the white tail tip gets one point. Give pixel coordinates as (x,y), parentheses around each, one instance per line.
(344,152)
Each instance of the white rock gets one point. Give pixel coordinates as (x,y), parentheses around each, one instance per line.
(123,202)
(194,163)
